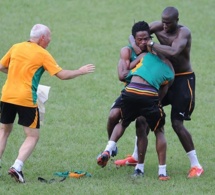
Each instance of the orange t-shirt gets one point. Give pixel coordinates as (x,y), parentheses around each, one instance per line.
(26,63)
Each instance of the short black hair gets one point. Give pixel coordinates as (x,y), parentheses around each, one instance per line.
(140,26)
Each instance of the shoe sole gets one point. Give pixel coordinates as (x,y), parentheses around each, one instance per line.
(130,165)
(125,164)
(164,178)
(196,176)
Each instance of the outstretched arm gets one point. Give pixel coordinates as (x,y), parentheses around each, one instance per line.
(70,74)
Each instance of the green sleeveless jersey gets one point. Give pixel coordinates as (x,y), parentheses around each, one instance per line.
(152,69)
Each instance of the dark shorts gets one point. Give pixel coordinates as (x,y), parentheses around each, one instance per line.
(28,117)
(181,96)
(142,104)
(117,103)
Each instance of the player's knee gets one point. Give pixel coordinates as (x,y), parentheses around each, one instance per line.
(6,129)
(177,125)
(160,137)
(141,126)
(114,115)
(141,122)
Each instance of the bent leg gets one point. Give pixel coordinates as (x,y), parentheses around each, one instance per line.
(103,158)
(117,132)
(115,136)
(113,120)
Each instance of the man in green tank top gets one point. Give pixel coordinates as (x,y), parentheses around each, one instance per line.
(128,60)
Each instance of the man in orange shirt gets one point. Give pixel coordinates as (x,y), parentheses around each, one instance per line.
(24,65)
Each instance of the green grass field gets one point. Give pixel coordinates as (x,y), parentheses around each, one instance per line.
(74,133)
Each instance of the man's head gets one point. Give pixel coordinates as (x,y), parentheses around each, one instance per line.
(141,34)
(170,19)
(41,35)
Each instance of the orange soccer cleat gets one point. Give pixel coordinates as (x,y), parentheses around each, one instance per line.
(195,172)
(129,161)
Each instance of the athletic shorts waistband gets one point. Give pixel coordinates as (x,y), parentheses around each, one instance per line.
(141,89)
(184,73)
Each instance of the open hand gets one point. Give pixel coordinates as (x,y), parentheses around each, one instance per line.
(88,68)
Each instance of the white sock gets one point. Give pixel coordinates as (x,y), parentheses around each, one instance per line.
(135,153)
(18,164)
(162,170)
(110,146)
(193,159)
(140,167)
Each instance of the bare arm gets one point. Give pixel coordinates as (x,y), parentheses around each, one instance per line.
(155,26)
(124,63)
(177,45)
(136,61)
(70,74)
(3,69)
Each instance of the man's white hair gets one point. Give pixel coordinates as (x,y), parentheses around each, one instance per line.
(37,31)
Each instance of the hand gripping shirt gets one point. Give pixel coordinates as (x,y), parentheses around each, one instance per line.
(26,62)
